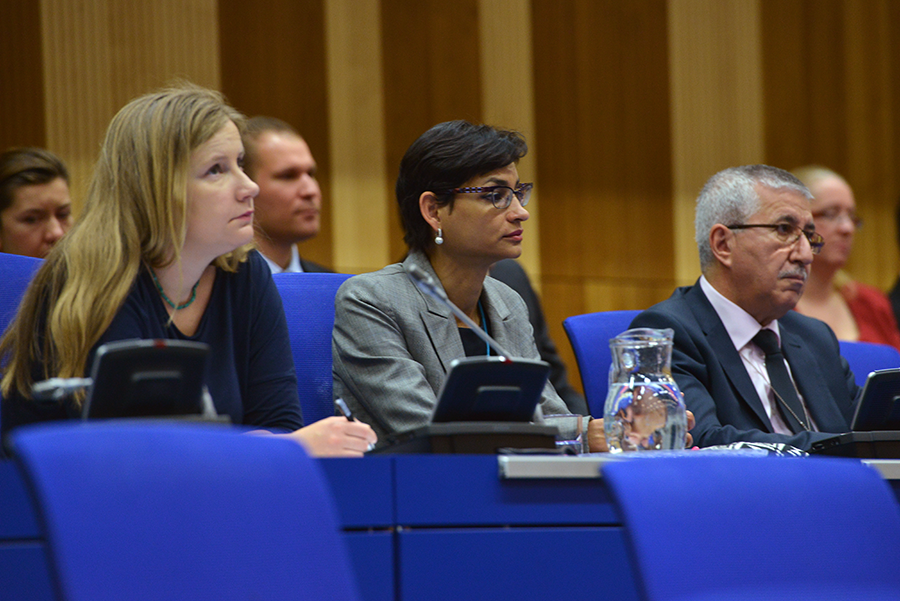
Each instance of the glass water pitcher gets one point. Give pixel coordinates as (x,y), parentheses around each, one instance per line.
(644,408)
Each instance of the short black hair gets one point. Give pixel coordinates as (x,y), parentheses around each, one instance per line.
(445,157)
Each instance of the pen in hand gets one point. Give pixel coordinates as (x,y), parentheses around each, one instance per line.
(345,411)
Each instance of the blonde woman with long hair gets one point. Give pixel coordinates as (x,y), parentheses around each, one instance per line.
(163,250)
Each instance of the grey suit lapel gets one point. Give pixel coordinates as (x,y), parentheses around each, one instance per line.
(437,319)
(498,314)
(729,358)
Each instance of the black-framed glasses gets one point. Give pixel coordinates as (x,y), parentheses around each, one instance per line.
(787,233)
(835,215)
(500,196)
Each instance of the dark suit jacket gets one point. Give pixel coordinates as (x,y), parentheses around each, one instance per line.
(716,385)
(511,273)
(310,267)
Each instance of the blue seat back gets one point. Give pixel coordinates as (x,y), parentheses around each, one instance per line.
(173,511)
(308,300)
(866,357)
(16,272)
(741,527)
(590,334)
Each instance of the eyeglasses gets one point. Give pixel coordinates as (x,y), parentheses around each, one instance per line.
(836,215)
(500,196)
(788,234)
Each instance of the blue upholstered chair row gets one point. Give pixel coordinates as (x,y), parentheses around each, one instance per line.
(173,511)
(740,528)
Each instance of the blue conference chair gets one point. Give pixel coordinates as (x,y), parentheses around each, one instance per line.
(160,511)
(866,357)
(744,528)
(590,334)
(308,300)
(16,272)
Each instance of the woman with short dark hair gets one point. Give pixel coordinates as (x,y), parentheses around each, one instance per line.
(463,209)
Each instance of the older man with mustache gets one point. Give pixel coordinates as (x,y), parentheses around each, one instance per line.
(750,368)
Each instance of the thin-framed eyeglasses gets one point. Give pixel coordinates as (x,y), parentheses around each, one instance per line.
(500,196)
(787,233)
(836,215)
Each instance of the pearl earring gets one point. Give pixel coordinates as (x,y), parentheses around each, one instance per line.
(439,239)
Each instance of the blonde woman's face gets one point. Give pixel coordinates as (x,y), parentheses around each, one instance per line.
(219,197)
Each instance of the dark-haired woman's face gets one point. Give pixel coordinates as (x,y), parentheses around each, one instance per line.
(475,230)
(37,218)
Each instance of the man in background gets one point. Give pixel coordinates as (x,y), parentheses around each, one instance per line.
(278,159)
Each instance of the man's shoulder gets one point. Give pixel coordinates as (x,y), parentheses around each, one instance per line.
(313,267)
(679,303)
(793,321)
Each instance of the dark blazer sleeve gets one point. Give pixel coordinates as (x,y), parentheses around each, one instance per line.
(718,390)
(310,267)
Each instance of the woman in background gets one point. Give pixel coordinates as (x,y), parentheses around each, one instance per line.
(35,208)
(162,250)
(854,310)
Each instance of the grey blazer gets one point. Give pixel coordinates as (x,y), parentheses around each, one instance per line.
(393,344)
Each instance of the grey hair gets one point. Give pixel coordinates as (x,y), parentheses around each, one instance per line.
(730,197)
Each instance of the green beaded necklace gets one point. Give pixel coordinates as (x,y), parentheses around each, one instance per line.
(168,301)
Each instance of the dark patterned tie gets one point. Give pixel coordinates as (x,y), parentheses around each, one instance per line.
(786,397)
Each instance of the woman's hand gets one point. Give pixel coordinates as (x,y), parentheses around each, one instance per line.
(597,436)
(335,437)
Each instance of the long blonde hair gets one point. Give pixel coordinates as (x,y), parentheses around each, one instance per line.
(135,212)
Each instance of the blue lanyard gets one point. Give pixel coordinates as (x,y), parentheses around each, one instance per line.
(484,325)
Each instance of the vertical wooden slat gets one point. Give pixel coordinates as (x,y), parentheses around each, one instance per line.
(356,130)
(602,127)
(273,63)
(432,74)
(21,76)
(102,53)
(716,89)
(507,91)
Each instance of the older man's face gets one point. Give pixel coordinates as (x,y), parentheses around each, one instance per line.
(770,270)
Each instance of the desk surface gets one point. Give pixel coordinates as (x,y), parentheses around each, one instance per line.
(520,467)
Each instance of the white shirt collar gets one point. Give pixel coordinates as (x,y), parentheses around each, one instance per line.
(293,267)
(740,325)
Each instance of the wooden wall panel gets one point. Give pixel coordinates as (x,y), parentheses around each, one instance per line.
(431,74)
(21,76)
(272,55)
(602,125)
(100,54)
(507,92)
(355,81)
(716,92)
(831,77)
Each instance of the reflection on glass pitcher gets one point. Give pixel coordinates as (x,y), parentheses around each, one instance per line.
(644,409)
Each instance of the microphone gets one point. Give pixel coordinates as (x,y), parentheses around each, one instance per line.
(56,389)
(426,284)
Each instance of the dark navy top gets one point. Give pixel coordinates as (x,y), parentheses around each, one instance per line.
(250,370)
